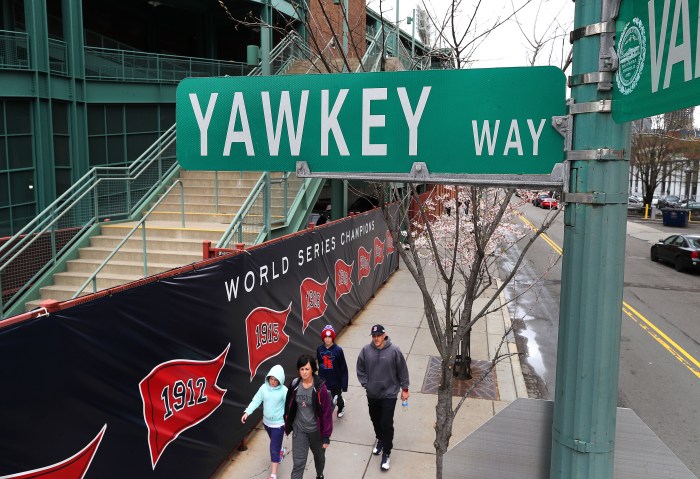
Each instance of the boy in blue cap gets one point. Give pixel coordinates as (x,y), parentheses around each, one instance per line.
(332,367)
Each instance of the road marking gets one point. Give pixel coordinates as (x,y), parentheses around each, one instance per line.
(662,338)
(678,352)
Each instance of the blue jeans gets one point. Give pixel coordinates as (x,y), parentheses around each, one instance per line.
(276,435)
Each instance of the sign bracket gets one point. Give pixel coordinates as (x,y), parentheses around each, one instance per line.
(420,173)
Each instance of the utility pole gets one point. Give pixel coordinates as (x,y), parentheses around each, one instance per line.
(585,407)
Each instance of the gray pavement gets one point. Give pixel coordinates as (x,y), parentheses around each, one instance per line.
(399,307)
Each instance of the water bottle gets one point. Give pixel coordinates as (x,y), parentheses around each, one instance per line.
(404,405)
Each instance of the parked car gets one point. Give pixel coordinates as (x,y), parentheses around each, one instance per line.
(549,203)
(668,201)
(683,251)
(693,206)
(539,198)
(635,205)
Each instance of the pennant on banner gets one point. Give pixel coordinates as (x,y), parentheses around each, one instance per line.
(378,252)
(74,467)
(313,300)
(389,242)
(177,395)
(364,262)
(343,278)
(264,329)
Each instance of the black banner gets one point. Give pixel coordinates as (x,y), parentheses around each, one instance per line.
(152,381)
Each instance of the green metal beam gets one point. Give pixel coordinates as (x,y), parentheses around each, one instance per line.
(583,430)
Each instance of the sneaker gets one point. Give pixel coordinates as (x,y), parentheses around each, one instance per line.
(341,412)
(319,476)
(335,400)
(378,447)
(386,462)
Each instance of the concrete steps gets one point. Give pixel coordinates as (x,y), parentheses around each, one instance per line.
(169,245)
(302,67)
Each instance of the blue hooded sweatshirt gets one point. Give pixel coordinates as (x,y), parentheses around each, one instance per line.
(271,398)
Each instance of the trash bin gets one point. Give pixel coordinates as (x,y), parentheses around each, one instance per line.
(675,217)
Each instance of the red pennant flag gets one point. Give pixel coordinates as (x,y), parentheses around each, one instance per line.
(264,329)
(389,242)
(74,467)
(177,395)
(363,259)
(378,252)
(343,278)
(313,300)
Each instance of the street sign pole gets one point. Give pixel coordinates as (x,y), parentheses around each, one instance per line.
(583,430)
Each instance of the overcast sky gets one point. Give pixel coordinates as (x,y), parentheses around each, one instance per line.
(506,46)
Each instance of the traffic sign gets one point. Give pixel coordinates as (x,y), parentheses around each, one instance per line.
(657,44)
(481,121)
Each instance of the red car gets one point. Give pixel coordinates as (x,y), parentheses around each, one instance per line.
(549,203)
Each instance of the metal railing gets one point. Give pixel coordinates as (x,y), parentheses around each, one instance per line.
(254,220)
(373,54)
(58,57)
(284,53)
(120,193)
(108,64)
(141,224)
(103,193)
(14,50)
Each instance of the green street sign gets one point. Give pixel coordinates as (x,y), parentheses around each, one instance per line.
(657,43)
(482,121)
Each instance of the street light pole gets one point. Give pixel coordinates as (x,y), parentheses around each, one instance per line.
(396,53)
(413,34)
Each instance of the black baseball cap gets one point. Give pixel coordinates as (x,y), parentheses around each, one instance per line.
(377,329)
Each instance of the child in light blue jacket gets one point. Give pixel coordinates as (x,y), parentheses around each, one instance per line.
(272,395)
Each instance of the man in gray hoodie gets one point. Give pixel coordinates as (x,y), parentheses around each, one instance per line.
(382,371)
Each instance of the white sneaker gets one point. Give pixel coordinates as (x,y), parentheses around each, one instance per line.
(335,400)
(386,462)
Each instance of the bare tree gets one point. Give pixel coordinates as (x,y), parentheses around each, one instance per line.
(546,44)
(463,28)
(323,22)
(463,247)
(654,150)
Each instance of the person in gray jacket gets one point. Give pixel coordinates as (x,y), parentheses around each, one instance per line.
(382,371)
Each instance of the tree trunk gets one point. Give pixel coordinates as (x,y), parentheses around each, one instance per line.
(444,416)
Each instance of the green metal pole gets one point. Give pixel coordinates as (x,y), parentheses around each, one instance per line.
(413,34)
(339,207)
(585,407)
(265,39)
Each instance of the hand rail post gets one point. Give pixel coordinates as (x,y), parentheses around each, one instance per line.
(216,191)
(182,203)
(143,248)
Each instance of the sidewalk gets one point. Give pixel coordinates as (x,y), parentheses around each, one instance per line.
(398,306)
(652,231)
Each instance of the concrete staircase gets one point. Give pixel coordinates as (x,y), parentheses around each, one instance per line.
(168,244)
(302,67)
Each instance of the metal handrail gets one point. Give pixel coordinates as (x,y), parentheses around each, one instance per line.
(142,222)
(46,224)
(287,46)
(15,46)
(370,52)
(237,222)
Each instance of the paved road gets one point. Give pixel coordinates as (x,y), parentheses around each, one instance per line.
(660,343)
